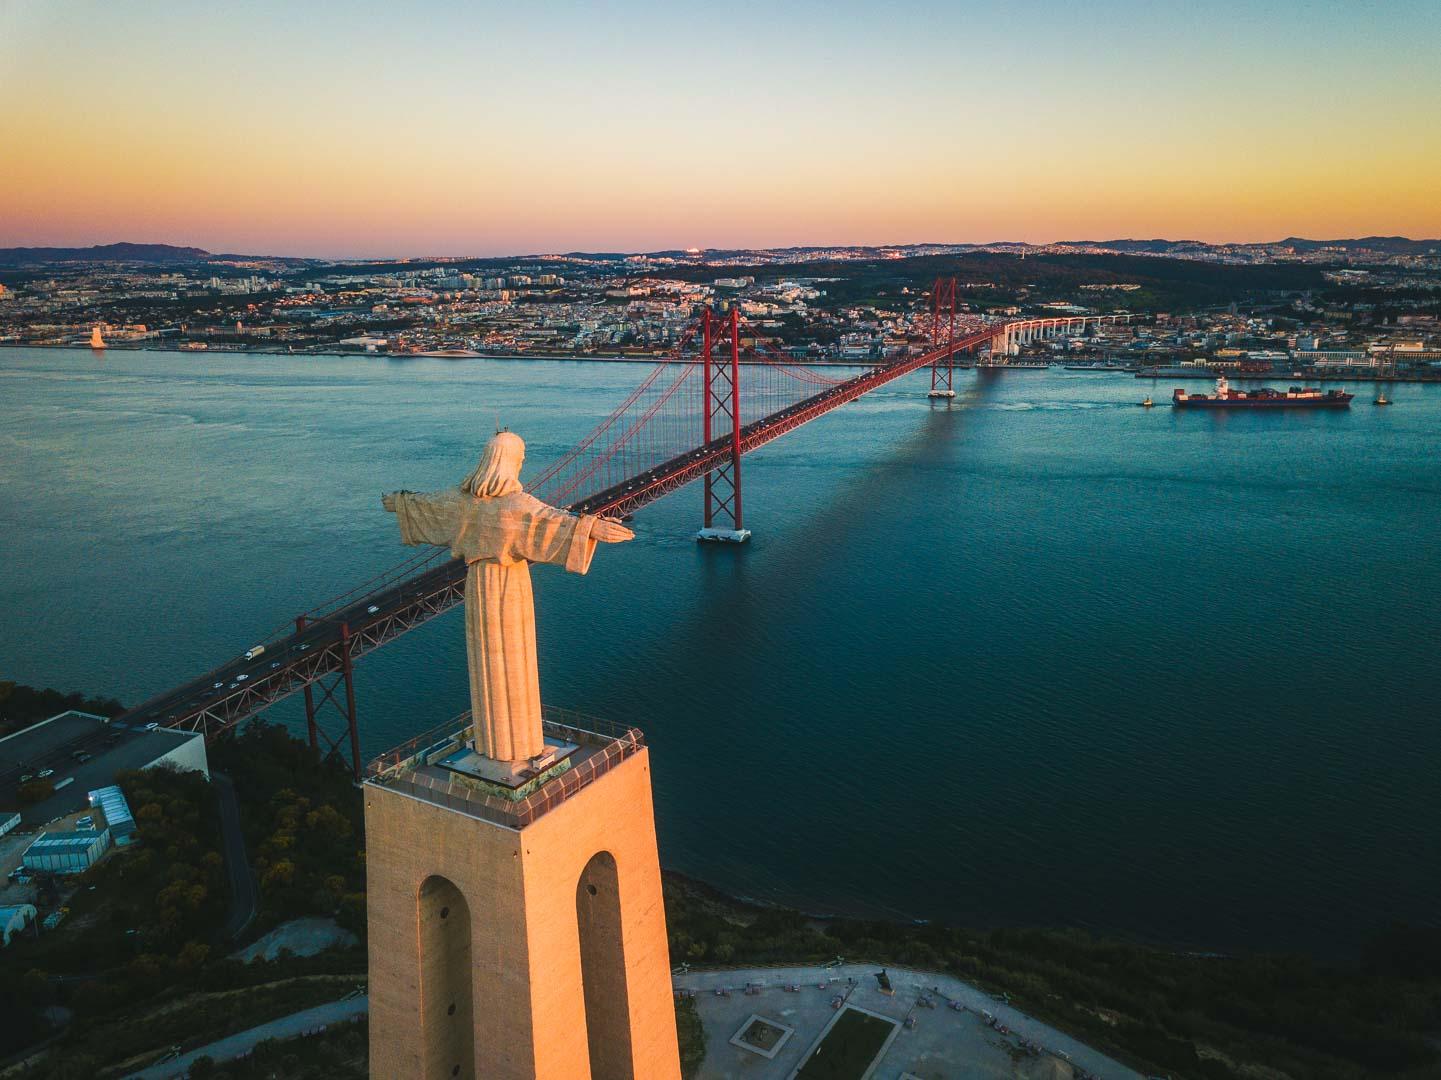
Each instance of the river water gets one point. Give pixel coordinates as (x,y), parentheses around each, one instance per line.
(1041,657)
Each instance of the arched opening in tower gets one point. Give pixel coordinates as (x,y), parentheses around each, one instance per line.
(602,965)
(445,982)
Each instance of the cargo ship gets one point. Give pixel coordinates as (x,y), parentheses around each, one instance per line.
(1298,397)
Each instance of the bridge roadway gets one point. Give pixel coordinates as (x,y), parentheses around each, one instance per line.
(236,690)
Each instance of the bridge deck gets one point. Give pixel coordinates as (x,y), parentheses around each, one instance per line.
(237,690)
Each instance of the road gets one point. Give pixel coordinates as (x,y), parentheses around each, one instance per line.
(238,1045)
(243,896)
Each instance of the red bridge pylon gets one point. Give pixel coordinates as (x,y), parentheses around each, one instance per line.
(344,677)
(943,332)
(721,419)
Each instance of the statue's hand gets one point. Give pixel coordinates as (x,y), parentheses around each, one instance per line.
(610,531)
(388,501)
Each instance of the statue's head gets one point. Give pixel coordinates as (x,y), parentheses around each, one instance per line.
(499,470)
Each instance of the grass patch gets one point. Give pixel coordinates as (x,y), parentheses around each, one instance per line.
(848,1048)
(691,1036)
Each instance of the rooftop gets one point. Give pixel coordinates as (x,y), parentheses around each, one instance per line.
(66,843)
(57,743)
(415,767)
(112,804)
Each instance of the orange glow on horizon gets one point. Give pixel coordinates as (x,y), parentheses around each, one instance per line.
(307,147)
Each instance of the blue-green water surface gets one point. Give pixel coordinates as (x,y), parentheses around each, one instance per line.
(1041,657)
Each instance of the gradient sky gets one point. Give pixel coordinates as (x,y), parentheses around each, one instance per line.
(474,128)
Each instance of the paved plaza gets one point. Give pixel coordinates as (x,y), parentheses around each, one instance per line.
(943,1044)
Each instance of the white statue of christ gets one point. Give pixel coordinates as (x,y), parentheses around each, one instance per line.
(499,530)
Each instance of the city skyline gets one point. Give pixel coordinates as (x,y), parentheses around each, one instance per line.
(494,131)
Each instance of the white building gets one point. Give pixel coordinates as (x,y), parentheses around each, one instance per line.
(15,919)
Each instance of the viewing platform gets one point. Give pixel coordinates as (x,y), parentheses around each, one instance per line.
(439,766)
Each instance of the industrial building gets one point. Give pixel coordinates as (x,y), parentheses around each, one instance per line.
(15,919)
(66,852)
(82,753)
(110,801)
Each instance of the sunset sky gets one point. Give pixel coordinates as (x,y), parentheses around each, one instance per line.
(469,128)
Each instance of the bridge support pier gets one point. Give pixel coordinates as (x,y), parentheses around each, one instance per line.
(943,306)
(721,417)
(346,707)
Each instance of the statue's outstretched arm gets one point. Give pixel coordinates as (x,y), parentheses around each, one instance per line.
(610,531)
(387,499)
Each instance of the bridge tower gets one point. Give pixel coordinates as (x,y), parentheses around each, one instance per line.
(721,419)
(322,744)
(943,307)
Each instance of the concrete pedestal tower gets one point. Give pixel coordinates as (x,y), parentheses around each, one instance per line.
(515,917)
(518,940)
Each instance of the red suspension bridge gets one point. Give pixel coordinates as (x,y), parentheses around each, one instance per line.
(721,393)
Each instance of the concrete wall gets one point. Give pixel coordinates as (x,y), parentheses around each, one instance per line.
(188,756)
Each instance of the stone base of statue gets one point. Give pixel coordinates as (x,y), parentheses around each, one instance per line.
(517,938)
(723,536)
(507,779)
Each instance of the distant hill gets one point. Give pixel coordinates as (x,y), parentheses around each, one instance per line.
(147,253)
(169,254)
(1140,247)
(1391,245)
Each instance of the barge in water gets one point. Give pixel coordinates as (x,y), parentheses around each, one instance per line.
(1298,397)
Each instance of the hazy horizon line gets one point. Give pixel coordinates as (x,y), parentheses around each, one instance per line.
(220,250)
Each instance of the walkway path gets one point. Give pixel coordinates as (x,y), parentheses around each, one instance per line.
(234,1046)
(243,897)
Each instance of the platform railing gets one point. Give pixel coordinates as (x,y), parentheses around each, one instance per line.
(397,768)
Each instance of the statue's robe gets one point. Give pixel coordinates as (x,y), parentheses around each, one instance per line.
(499,538)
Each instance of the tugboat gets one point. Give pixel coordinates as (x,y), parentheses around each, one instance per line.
(1298,397)
(1381,398)
(1147,403)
